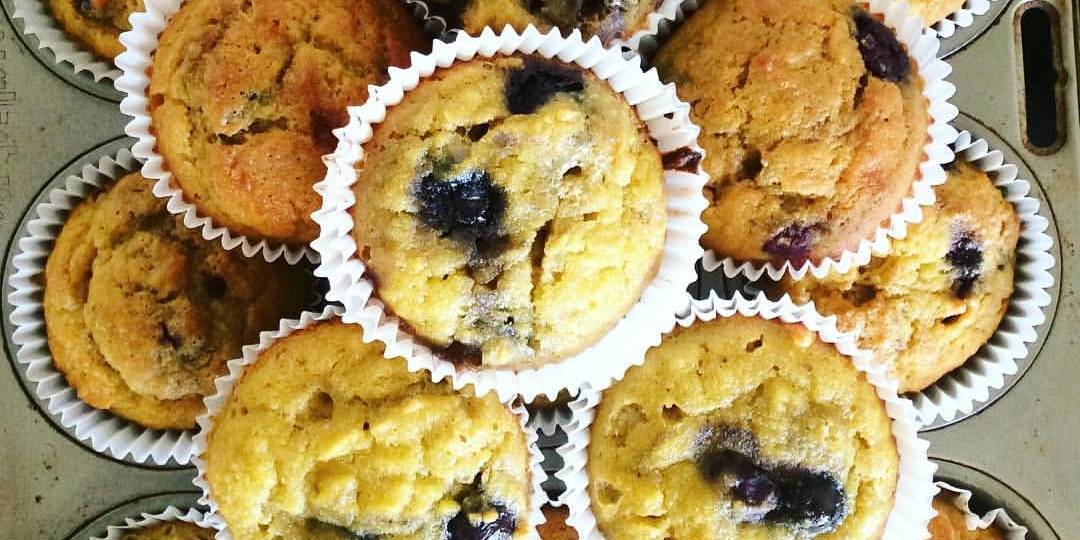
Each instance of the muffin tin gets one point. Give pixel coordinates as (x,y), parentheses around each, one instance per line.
(1018,450)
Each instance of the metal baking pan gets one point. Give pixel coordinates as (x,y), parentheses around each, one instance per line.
(1018,451)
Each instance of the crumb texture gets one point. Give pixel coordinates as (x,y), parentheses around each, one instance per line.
(96,24)
(511,211)
(609,20)
(742,428)
(244,95)
(170,530)
(324,439)
(142,313)
(813,122)
(940,293)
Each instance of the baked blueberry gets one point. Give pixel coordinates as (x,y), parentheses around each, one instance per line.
(728,457)
(883,54)
(469,524)
(531,86)
(682,159)
(810,501)
(966,257)
(467,208)
(792,243)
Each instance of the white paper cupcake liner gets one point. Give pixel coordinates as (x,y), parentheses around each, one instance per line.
(915,487)
(226,383)
(172,513)
(39,22)
(997,517)
(140,44)
(923,48)
(640,327)
(960,391)
(104,432)
(961,18)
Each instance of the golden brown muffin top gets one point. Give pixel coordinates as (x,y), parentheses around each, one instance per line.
(608,19)
(244,94)
(96,24)
(950,525)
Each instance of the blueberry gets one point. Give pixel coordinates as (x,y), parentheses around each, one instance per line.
(468,208)
(883,55)
(966,257)
(87,8)
(531,86)
(682,159)
(792,243)
(808,501)
(464,527)
(728,456)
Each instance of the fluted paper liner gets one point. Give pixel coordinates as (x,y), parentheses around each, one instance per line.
(102,430)
(961,18)
(923,48)
(39,22)
(226,383)
(915,489)
(172,513)
(997,517)
(957,393)
(640,328)
(140,44)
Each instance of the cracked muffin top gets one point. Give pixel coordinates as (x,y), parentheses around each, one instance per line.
(942,290)
(243,96)
(742,428)
(950,523)
(142,313)
(323,438)
(170,530)
(510,210)
(96,24)
(610,20)
(813,121)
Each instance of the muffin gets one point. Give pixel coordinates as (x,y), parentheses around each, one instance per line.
(742,428)
(142,313)
(324,438)
(950,524)
(939,295)
(610,20)
(96,24)
(243,97)
(555,527)
(170,530)
(933,11)
(510,210)
(813,122)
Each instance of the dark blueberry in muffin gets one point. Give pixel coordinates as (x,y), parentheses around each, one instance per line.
(470,526)
(808,501)
(966,257)
(728,457)
(468,208)
(91,9)
(792,243)
(531,86)
(684,159)
(883,54)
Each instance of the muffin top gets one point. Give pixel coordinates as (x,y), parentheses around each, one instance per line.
(940,293)
(742,428)
(610,20)
(170,530)
(511,210)
(950,525)
(96,24)
(323,438)
(243,97)
(933,11)
(813,121)
(142,313)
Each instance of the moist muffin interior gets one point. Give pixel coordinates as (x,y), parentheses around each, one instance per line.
(742,428)
(323,438)
(813,122)
(939,295)
(142,313)
(608,19)
(510,210)
(244,94)
(96,24)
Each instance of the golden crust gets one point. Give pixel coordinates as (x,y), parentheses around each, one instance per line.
(96,24)
(950,525)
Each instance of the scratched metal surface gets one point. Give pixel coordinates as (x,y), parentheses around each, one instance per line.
(1020,451)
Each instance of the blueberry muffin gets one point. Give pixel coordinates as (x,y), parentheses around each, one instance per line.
(243,97)
(510,210)
(610,20)
(142,313)
(933,11)
(323,438)
(742,428)
(940,293)
(170,530)
(96,24)
(950,525)
(555,527)
(813,122)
